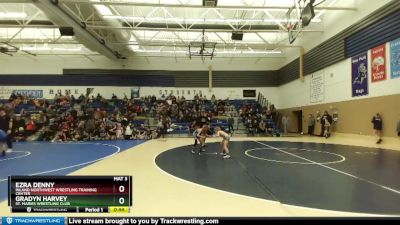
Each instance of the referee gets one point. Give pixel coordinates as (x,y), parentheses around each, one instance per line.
(6,126)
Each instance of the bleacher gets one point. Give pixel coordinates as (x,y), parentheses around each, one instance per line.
(222,122)
(140,120)
(179,128)
(239,103)
(25,107)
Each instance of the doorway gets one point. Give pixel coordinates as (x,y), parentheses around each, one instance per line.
(299,117)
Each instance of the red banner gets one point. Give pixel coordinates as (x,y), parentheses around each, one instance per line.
(378,63)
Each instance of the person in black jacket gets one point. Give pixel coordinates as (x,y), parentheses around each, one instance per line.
(377,123)
(398,128)
(324,117)
(6,124)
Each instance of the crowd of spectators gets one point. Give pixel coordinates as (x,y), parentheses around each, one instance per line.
(177,110)
(82,118)
(259,120)
(66,118)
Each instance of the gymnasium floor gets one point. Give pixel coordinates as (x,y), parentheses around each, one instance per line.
(346,175)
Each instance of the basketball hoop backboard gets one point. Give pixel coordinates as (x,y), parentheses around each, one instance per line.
(202,49)
(293,21)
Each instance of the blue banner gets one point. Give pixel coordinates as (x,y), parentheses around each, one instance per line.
(33,220)
(359,74)
(395,58)
(30,93)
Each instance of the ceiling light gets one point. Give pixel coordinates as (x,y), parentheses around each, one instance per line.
(250,52)
(159,51)
(102,9)
(46,48)
(13,15)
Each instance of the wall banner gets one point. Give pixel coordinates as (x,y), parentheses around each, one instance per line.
(378,63)
(317,88)
(359,74)
(395,58)
(30,93)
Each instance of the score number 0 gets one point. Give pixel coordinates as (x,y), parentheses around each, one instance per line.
(121,189)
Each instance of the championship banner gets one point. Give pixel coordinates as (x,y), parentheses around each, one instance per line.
(395,58)
(378,63)
(359,74)
(317,91)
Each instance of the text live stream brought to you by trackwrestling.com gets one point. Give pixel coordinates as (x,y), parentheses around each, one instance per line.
(179,220)
(104,220)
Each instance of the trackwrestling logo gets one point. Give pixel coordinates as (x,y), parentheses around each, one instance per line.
(33,220)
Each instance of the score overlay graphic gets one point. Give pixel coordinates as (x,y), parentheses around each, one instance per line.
(86,194)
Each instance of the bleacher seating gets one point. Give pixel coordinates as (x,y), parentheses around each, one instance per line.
(231,109)
(180,128)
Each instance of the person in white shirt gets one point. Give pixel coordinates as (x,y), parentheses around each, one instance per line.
(119,132)
(224,143)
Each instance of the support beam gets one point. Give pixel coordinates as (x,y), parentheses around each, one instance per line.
(241,8)
(101,27)
(222,17)
(170,15)
(209,78)
(275,20)
(57,14)
(191,30)
(301,64)
(265,41)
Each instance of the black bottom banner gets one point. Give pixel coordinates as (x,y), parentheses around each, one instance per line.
(185,220)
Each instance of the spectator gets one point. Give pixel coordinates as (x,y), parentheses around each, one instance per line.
(3,140)
(166,123)
(272,111)
(46,135)
(285,124)
(19,134)
(81,99)
(162,97)
(128,133)
(41,120)
(249,126)
(90,127)
(119,132)
(262,127)
(398,128)
(325,117)
(213,99)
(18,123)
(231,122)
(311,124)
(327,125)
(6,124)
(377,124)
